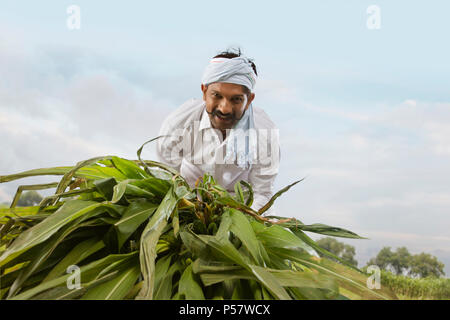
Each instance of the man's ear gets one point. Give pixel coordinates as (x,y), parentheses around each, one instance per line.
(250,99)
(204,88)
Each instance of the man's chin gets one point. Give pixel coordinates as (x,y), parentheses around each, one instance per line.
(223,125)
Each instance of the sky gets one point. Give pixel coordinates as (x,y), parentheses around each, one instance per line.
(363,113)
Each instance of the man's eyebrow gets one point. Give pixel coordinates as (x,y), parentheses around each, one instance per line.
(234,95)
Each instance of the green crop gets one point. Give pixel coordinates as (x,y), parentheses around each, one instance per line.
(136,230)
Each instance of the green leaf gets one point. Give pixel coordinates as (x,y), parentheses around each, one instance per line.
(227,200)
(64,293)
(270,282)
(242,228)
(136,214)
(249,192)
(239,193)
(126,187)
(189,287)
(225,249)
(164,286)
(149,239)
(345,277)
(209,279)
(148,163)
(55,171)
(88,273)
(66,179)
(118,191)
(279,237)
(155,186)
(304,279)
(176,222)
(275,196)
(95,172)
(330,231)
(68,212)
(19,211)
(129,168)
(106,187)
(161,269)
(83,250)
(116,288)
(321,250)
(46,251)
(201,266)
(31,187)
(193,244)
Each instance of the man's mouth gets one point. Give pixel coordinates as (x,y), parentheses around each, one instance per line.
(223,119)
(227,119)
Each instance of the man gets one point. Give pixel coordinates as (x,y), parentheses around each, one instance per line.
(223,134)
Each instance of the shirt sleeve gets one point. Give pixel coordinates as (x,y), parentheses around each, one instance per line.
(168,146)
(263,173)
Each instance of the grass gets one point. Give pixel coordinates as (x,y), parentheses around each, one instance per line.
(408,288)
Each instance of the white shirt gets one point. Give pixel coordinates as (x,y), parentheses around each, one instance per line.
(193,147)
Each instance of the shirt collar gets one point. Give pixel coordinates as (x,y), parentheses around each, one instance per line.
(205,122)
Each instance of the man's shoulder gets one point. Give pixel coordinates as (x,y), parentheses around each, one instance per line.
(184,115)
(262,119)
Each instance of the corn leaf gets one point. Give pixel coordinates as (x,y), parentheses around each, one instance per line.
(242,228)
(77,254)
(149,238)
(116,288)
(41,232)
(189,287)
(136,214)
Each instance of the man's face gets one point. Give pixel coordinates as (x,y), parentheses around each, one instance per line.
(225,103)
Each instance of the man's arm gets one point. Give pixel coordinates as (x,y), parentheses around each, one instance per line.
(175,128)
(262,175)
(168,149)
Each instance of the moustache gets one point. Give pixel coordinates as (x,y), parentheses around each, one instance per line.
(229,116)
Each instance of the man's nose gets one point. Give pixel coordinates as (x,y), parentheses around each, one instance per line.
(225,107)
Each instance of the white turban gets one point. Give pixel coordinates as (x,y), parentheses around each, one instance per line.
(241,143)
(235,70)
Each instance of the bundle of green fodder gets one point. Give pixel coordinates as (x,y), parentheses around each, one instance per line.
(136,230)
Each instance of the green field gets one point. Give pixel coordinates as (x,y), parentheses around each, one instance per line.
(417,289)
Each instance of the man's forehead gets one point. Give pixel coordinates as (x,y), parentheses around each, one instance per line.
(227,88)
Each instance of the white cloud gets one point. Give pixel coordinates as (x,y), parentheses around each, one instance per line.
(56,113)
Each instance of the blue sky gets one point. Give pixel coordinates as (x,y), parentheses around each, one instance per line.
(364,114)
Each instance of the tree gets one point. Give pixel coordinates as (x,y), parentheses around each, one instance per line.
(402,262)
(397,261)
(30,198)
(344,251)
(383,258)
(425,265)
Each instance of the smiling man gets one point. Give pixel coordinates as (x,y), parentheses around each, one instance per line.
(223,134)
